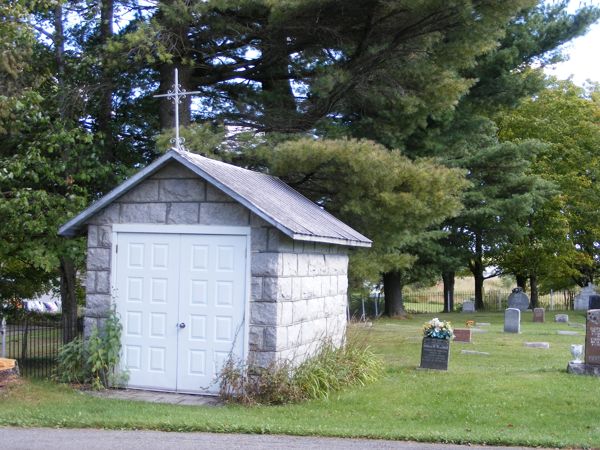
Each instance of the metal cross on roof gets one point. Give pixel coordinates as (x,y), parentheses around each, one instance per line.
(176,95)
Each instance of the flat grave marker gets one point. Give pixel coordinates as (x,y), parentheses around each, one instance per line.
(537,344)
(561,318)
(474,352)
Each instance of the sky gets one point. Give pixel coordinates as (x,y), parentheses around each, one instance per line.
(584,57)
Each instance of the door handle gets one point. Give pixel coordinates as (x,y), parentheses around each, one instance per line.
(181,325)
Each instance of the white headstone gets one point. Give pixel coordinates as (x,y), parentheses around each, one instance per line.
(512,320)
(582,300)
(468,307)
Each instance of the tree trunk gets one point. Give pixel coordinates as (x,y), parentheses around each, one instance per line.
(106,82)
(448,278)
(476,267)
(279,105)
(392,290)
(521,281)
(68,298)
(534,299)
(59,57)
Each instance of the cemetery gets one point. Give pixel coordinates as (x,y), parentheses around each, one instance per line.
(506,392)
(259,217)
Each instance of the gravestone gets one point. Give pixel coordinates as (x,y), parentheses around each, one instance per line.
(582,300)
(567,333)
(518,299)
(591,363)
(564,318)
(462,335)
(545,345)
(592,338)
(512,320)
(468,307)
(474,352)
(539,315)
(594,302)
(435,353)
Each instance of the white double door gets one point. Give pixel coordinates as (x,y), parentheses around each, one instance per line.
(181,301)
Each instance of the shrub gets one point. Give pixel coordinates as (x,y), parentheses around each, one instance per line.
(332,369)
(72,363)
(94,360)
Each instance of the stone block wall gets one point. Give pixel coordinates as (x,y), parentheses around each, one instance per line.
(299,297)
(298,289)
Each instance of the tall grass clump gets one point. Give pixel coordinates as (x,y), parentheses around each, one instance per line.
(330,370)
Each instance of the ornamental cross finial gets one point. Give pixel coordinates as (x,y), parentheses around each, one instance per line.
(176,95)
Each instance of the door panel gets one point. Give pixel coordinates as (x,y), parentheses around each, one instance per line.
(147,291)
(181,299)
(213,274)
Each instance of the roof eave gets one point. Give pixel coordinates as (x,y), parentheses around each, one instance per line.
(330,240)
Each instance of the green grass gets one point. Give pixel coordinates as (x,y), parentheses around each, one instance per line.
(515,396)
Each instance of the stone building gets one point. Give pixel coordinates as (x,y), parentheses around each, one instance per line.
(204,260)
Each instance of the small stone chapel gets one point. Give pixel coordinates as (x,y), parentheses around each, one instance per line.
(204,260)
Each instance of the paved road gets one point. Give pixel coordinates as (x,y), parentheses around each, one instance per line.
(90,439)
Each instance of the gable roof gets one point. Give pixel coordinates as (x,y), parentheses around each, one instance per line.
(266,196)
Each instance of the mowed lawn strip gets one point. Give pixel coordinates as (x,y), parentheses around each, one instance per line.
(514,396)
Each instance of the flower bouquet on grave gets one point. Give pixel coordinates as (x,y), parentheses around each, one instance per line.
(438,329)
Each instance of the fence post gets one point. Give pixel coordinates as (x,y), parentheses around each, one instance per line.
(3,332)
(551,300)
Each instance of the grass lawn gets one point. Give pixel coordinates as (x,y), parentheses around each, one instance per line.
(514,396)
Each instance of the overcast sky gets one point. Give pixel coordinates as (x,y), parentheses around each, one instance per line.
(584,56)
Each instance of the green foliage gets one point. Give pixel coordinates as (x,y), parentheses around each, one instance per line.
(103,350)
(72,364)
(330,370)
(564,235)
(333,369)
(381,193)
(94,360)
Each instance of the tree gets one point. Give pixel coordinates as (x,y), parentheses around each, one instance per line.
(381,193)
(295,66)
(505,76)
(49,169)
(502,195)
(566,118)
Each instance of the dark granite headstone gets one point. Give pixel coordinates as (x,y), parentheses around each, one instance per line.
(462,335)
(435,353)
(518,299)
(592,338)
(539,315)
(594,302)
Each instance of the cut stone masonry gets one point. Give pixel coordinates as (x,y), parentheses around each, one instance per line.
(298,289)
